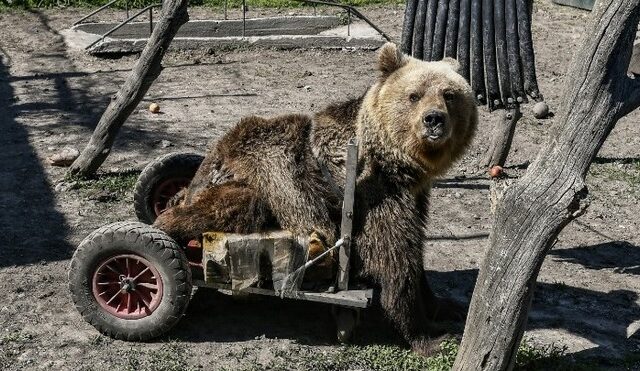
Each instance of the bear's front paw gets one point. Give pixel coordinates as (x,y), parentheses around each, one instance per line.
(316,245)
(323,268)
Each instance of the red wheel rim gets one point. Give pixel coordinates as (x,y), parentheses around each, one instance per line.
(127,286)
(165,191)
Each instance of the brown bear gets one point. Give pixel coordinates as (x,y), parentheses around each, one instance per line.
(288,172)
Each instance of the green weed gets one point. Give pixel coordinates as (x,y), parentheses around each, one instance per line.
(169,357)
(12,345)
(391,358)
(624,170)
(105,187)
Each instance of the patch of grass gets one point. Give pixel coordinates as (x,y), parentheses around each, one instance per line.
(532,357)
(12,345)
(210,3)
(105,187)
(391,358)
(16,337)
(170,356)
(625,170)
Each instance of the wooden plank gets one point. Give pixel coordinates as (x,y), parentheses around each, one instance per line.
(347,298)
(347,214)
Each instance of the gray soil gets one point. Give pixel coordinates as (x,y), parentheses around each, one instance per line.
(588,293)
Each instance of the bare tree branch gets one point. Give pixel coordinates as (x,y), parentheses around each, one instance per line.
(146,70)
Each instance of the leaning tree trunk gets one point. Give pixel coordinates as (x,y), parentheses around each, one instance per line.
(146,70)
(535,209)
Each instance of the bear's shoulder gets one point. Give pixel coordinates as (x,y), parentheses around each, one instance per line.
(337,122)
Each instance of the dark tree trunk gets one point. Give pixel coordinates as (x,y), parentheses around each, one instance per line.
(534,209)
(146,70)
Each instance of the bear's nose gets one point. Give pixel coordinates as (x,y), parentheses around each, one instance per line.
(434,119)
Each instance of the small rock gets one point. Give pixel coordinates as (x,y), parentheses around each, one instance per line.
(45,295)
(102,197)
(541,110)
(65,186)
(154,108)
(457,195)
(307,74)
(165,144)
(63,158)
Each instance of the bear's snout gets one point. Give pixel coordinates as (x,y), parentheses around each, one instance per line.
(435,125)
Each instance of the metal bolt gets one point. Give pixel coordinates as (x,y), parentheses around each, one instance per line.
(480,97)
(496,102)
(520,100)
(509,100)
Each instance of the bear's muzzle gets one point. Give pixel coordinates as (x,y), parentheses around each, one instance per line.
(435,126)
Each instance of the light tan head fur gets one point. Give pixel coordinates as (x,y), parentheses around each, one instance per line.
(419,111)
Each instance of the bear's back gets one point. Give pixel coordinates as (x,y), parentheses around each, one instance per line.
(259,138)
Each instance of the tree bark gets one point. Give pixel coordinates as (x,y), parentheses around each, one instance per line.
(502,138)
(146,70)
(536,208)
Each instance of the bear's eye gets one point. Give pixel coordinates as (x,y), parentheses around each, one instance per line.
(414,97)
(449,95)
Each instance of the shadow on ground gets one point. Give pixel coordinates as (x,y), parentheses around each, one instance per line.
(621,256)
(592,315)
(216,317)
(47,104)
(31,229)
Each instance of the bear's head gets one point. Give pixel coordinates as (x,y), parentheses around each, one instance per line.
(422,111)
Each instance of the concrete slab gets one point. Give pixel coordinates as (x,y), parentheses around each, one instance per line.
(326,32)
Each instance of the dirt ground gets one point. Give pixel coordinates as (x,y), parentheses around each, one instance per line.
(588,293)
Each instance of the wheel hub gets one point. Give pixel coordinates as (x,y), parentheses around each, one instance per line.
(127,286)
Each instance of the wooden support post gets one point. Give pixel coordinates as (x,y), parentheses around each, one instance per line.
(502,138)
(146,70)
(347,214)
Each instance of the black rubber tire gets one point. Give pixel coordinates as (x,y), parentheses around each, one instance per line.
(158,249)
(172,165)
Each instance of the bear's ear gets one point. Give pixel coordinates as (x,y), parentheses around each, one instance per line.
(390,59)
(452,62)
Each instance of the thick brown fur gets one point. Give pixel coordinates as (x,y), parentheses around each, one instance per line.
(267,173)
